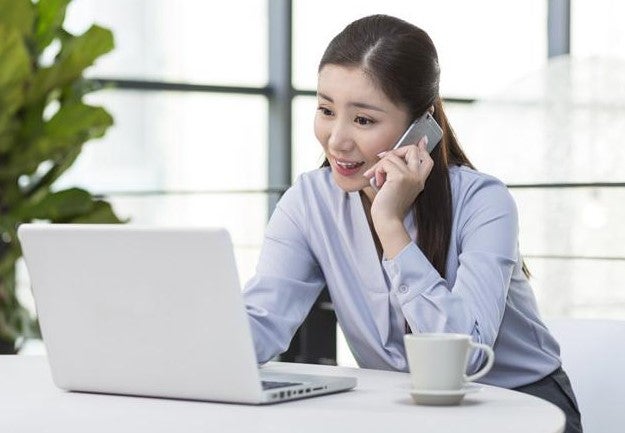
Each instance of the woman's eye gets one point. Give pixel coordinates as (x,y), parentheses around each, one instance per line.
(325,111)
(363,121)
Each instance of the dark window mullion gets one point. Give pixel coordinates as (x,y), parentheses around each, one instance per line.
(558,27)
(280,98)
(127,84)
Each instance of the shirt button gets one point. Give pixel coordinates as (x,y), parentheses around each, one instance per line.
(403,288)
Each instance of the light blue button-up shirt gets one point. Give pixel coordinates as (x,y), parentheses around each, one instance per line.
(319,235)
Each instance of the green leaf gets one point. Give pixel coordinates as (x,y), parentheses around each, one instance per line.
(14,73)
(76,54)
(18,15)
(39,189)
(102,213)
(69,128)
(8,129)
(14,59)
(57,206)
(7,333)
(78,122)
(27,139)
(8,259)
(50,17)
(10,193)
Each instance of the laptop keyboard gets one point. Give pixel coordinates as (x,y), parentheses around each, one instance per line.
(267,384)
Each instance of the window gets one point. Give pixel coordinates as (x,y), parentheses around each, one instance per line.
(172,156)
(180,41)
(596,29)
(551,130)
(482,45)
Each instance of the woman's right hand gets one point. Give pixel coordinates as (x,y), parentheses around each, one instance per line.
(403,172)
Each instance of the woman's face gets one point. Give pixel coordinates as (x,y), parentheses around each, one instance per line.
(354,122)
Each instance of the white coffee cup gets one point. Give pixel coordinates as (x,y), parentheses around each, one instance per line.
(439,361)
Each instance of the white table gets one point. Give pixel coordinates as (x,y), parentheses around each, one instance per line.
(29,402)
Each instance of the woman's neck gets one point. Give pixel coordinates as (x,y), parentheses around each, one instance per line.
(366,204)
(369,193)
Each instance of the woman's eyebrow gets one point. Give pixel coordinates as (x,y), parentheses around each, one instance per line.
(354,104)
(324,96)
(367,106)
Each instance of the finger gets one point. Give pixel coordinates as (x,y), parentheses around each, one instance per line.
(422,152)
(369,172)
(401,152)
(427,163)
(379,173)
(395,163)
(384,167)
(425,157)
(380,178)
(423,143)
(426,168)
(413,159)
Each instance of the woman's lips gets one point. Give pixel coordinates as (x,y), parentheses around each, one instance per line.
(347,168)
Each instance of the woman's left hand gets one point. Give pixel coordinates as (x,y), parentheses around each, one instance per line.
(402,174)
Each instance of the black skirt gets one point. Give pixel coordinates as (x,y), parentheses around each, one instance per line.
(556,388)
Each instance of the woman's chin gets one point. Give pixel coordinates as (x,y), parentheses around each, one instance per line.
(349,184)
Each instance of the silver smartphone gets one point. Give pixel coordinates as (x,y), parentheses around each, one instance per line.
(424,126)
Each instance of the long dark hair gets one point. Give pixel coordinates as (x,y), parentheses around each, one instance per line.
(401,59)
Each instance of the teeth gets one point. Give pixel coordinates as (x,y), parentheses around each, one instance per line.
(348,164)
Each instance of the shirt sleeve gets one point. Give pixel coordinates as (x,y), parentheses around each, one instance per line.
(287,281)
(487,230)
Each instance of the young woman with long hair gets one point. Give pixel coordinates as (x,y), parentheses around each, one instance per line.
(433,248)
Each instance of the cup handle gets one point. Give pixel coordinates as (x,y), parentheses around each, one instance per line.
(490,355)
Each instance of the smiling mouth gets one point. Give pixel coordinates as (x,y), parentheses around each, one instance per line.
(349,165)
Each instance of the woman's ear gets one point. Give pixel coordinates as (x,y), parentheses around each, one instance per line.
(431,109)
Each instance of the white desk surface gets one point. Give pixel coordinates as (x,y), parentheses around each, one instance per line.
(29,402)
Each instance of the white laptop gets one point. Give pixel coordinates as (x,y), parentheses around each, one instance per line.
(152,312)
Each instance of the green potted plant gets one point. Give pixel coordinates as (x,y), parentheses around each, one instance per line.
(43,125)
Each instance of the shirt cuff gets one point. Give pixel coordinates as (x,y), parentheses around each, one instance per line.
(410,273)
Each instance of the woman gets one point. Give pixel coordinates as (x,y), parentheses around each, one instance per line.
(435,249)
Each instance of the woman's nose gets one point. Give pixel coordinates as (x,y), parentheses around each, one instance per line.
(340,138)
